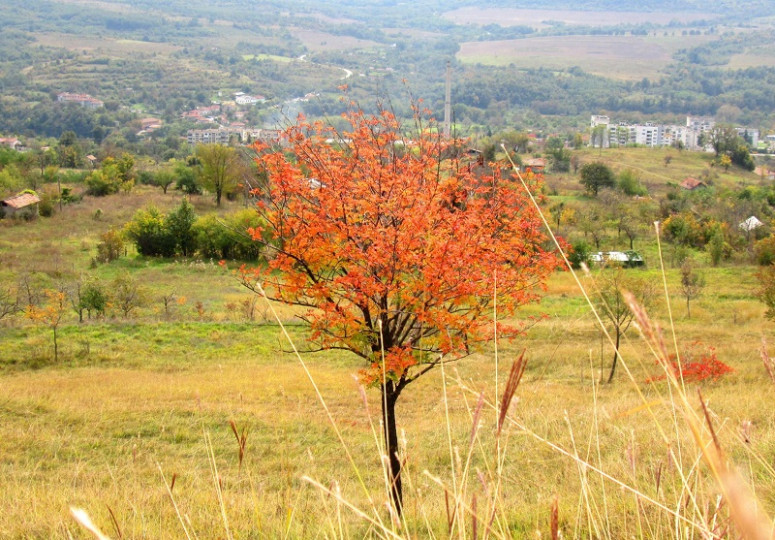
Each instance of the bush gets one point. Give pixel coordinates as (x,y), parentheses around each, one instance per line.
(228,238)
(186,180)
(114,175)
(111,246)
(212,238)
(718,249)
(179,224)
(764,251)
(741,156)
(149,231)
(766,290)
(630,184)
(94,298)
(146,178)
(697,364)
(101,183)
(46,205)
(68,196)
(581,253)
(684,229)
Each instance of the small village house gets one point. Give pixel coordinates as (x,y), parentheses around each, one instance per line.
(691,184)
(24,205)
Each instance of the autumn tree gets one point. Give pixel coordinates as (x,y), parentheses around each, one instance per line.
(219,168)
(395,247)
(50,314)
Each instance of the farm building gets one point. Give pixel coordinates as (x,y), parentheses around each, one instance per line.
(691,184)
(535,164)
(627,259)
(24,206)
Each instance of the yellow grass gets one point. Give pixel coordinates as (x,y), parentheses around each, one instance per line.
(621,459)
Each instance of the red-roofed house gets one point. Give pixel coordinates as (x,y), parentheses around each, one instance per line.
(535,164)
(692,183)
(24,205)
(11,142)
(84,100)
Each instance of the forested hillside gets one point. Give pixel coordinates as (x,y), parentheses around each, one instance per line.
(562,61)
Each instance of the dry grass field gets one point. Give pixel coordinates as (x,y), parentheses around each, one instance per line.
(618,57)
(649,165)
(132,424)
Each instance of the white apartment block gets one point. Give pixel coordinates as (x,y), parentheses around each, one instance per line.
(209,136)
(649,134)
(223,135)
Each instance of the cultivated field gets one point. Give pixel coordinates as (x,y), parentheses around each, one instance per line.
(540,18)
(322,41)
(104,46)
(619,57)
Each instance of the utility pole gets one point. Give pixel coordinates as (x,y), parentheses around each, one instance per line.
(448,103)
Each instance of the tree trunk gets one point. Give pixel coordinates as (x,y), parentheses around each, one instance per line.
(616,356)
(56,348)
(389,398)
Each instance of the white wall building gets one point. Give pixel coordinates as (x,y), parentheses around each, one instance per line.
(656,135)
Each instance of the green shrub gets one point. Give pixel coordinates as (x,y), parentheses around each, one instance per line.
(94,298)
(228,238)
(581,252)
(213,239)
(718,248)
(630,184)
(101,183)
(46,205)
(111,246)
(150,234)
(186,180)
(179,224)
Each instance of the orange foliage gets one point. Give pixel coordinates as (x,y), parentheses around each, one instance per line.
(50,314)
(394,243)
(697,364)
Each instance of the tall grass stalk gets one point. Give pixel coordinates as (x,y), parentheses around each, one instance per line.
(453,473)
(332,421)
(218,486)
(741,502)
(174,503)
